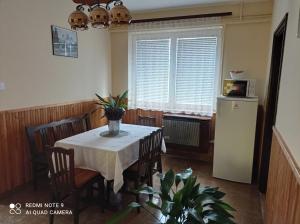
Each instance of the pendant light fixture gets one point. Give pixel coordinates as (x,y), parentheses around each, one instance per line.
(100,14)
(99,17)
(119,14)
(78,20)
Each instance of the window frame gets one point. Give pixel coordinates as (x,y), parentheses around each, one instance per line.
(174,35)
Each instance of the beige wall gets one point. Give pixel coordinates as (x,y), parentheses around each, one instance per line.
(288,115)
(246,42)
(119,61)
(246,47)
(32,75)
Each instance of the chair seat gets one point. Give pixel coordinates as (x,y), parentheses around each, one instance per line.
(83,176)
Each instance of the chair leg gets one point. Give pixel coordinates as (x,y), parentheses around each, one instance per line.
(76,208)
(51,216)
(159,166)
(90,192)
(150,182)
(34,177)
(137,196)
(101,193)
(108,186)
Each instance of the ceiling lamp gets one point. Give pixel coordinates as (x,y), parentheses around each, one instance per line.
(101,16)
(78,20)
(119,14)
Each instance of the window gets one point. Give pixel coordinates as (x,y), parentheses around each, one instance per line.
(175,71)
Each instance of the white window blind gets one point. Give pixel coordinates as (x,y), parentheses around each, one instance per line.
(175,71)
(153,69)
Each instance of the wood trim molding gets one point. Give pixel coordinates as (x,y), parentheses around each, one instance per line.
(209,15)
(287,152)
(47,106)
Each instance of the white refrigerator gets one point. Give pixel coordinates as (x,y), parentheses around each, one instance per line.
(234,138)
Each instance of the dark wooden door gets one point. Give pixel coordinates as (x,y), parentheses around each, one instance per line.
(272,101)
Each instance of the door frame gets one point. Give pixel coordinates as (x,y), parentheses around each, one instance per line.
(272,101)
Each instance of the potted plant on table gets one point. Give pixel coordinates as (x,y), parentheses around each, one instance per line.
(183,201)
(114,108)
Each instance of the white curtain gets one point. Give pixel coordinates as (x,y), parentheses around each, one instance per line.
(175,66)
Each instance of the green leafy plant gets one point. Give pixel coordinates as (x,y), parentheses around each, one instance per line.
(114,107)
(183,201)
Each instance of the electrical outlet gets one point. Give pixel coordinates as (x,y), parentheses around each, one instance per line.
(2,86)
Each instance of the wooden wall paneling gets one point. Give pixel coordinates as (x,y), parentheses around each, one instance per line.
(15,166)
(283,193)
(4,181)
(296,215)
(132,115)
(292,204)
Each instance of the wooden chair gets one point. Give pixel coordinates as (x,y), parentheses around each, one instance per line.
(39,137)
(156,164)
(46,135)
(70,182)
(146,121)
(139,173)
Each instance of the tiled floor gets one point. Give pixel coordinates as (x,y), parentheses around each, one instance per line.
(245,198)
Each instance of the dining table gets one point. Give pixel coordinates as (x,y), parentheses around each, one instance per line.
(109,155)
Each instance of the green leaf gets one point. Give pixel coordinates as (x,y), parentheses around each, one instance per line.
(205,199)
(124,95)
(188,188)
(167,182)
(101,99)
(221,211)
(178,205)
(166,207)
(196,216)
(147,190)
(112,101)
(226,206)
(172,221)
(183,176)
(218,218)
(134,205)
(219,194)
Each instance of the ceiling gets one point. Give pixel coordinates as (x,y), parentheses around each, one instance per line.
(141,5)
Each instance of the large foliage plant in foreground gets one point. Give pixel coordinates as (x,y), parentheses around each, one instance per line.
(183,201)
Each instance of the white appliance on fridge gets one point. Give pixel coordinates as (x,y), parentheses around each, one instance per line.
(234,138)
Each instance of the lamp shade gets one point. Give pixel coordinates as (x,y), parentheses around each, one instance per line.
(99,17)
(119,14)
(78,20)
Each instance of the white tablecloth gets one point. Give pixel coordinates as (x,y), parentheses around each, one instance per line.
(108,155)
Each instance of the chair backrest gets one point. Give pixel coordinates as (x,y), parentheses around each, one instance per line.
(61,167)
(157,137)
(147,121)
(63,129)
(144,156)
(47,134)
(39,137)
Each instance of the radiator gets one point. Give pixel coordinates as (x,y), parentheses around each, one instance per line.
(185,130)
